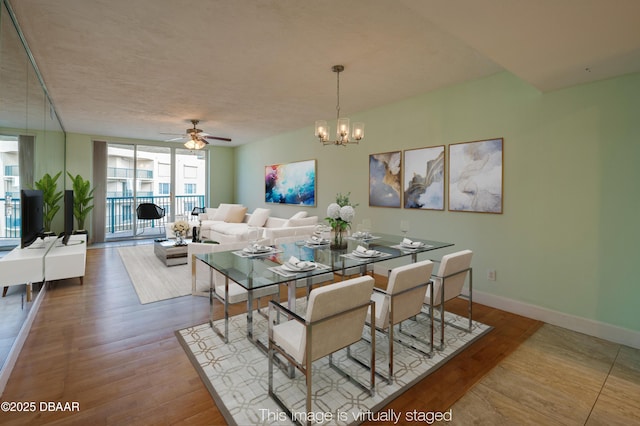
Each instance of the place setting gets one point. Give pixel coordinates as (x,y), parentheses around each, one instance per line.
(255,250)
(316,241)
(362,253)
(294,266)
(409,245)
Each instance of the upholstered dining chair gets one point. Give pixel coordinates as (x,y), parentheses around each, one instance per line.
(448,284)
(402,300)
(335,319)
(236,293)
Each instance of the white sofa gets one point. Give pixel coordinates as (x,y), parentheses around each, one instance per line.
(230,223)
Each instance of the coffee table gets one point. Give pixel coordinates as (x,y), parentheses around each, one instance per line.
(170,253)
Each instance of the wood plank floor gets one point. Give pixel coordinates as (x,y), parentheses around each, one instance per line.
(121,362)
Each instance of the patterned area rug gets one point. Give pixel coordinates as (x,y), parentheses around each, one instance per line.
(151,278)
(236,373)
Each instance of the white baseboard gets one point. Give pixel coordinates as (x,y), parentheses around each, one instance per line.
(598,329)
(14,353)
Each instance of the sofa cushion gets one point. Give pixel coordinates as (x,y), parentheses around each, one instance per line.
(299,215)
(236,214)
(306,221)
(222,211)
(259,217)
(226,228)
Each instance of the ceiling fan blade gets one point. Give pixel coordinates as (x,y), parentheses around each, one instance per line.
(218,138)
(182,138)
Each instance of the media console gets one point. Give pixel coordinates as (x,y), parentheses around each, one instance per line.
(44,260)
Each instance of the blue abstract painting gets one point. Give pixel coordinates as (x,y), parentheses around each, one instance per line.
(291,183)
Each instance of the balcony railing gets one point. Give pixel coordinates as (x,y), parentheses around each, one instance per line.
(11,217)
(125,173)
(11,170)
(120,214)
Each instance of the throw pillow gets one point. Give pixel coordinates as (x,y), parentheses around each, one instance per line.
(259,217)
(236,214)
(306,221)
(299,215)
(223,210)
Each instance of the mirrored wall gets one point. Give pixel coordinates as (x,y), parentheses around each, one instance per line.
(32,143)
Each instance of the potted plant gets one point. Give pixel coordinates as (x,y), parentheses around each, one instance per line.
(82,197)
(48,185)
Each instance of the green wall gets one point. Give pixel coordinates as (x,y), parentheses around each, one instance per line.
(567,238)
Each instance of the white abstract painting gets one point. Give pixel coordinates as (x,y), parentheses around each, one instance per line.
(424,178)
(475,176)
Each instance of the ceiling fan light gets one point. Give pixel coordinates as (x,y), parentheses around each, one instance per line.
(190,144)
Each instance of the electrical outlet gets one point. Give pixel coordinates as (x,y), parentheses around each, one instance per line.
(491,274)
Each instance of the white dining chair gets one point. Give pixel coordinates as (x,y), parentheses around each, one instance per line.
(334,319)
(402,300)
(448,284)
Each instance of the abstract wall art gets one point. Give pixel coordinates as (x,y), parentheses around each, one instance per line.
(385,176)
(424,178)
(291,183)
(476,176)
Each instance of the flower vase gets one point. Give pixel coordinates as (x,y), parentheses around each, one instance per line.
(338,242)
(179,239)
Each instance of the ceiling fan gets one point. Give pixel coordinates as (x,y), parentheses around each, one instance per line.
(196,138)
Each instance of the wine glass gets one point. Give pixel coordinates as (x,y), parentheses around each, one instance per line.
(404,227)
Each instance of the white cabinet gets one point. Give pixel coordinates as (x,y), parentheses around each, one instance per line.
(44,260)
(66,261)
(25,265)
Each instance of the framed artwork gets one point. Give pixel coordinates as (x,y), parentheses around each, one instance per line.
(476,176)
(291,183)
(385,175)
(424,178)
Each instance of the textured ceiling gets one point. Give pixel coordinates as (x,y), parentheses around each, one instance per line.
(252,69)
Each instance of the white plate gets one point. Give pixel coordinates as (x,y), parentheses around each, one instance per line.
(257,250)
(365,255)
(291,268)
(412,246)
(318,243)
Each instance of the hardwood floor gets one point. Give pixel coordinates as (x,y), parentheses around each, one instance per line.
(121,362)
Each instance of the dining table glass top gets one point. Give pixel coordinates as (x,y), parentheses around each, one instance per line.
(256,270)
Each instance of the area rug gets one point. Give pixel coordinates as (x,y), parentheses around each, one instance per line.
(151,278)
(236,374)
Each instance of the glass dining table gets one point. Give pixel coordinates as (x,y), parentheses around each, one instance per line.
(259,270)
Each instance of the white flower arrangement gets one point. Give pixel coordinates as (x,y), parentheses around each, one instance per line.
(180,227)
(340,215)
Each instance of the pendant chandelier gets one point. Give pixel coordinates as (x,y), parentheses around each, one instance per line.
(342,132)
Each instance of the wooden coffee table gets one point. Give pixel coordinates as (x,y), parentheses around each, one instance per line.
(170,253)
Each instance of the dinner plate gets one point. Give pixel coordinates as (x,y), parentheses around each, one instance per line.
(318,242)
(412,246)
(257,250)
(365,255)
(291,268)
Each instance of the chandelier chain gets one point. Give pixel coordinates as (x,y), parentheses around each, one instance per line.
(338,96)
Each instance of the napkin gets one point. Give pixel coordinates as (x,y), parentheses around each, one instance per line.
(299,264)
(317,239)
(413,244)
(366,251)
(255,247)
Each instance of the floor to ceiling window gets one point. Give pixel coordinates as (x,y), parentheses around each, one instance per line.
(174,179)
(9,192)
